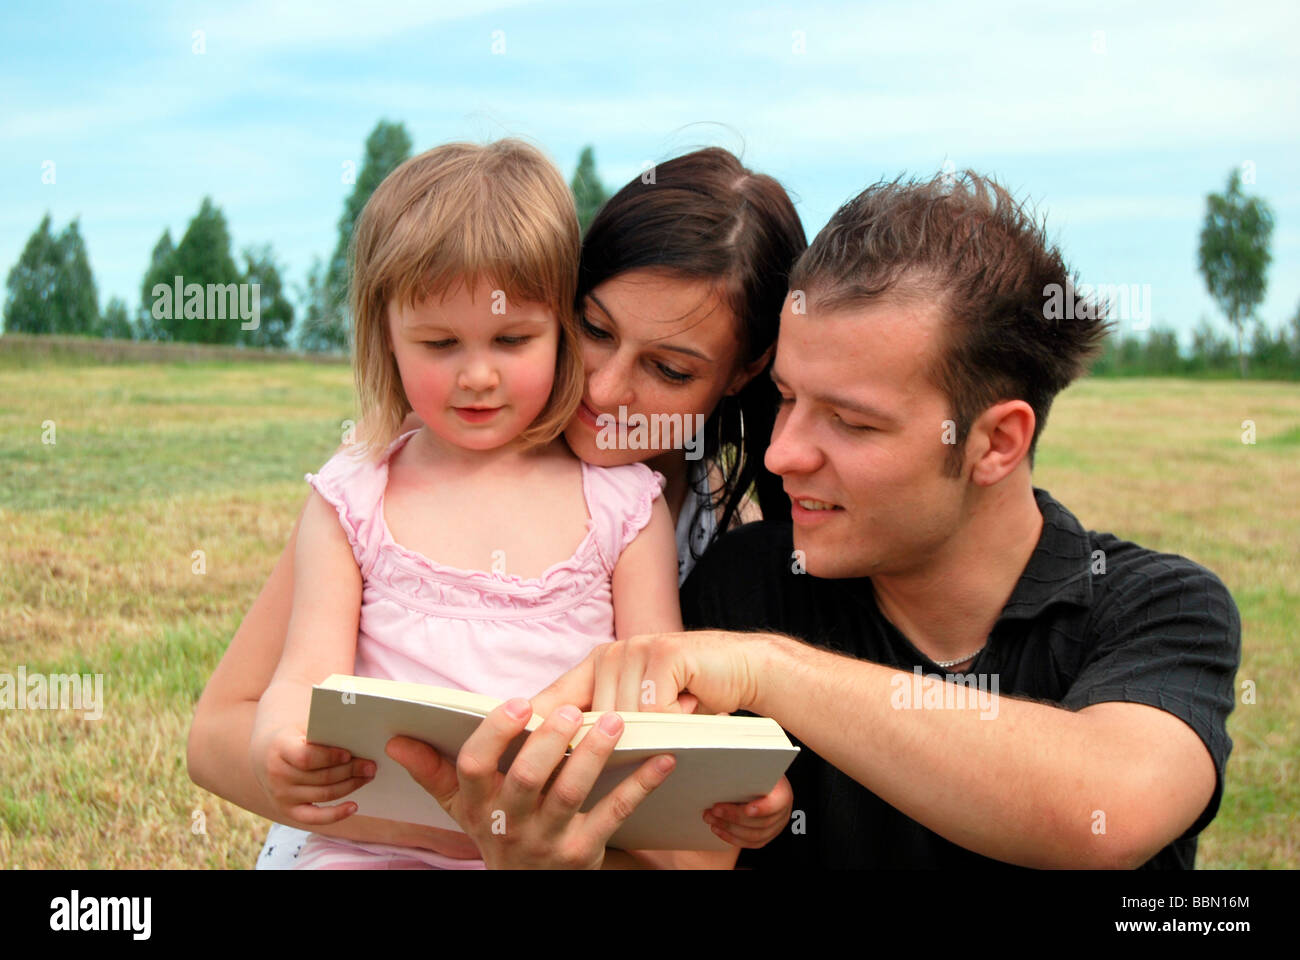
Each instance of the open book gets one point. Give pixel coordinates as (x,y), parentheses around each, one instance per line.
(720,759)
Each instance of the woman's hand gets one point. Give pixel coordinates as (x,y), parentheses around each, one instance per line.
(296,775)
(513,822)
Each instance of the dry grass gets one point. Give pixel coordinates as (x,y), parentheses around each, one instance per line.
(154,462)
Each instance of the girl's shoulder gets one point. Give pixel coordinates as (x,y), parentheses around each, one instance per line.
(620,500)
(353,484)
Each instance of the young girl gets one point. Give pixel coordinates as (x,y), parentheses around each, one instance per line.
(476,552)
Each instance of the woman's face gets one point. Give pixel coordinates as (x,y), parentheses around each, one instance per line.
(653,343)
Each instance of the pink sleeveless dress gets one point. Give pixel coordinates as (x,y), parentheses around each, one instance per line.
(492,633)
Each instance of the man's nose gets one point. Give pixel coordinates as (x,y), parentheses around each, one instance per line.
(610,384)
(790,451)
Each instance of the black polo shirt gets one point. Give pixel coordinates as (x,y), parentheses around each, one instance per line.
(1152,628)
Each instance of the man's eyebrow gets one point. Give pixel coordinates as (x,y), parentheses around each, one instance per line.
(663,346)
(844,403)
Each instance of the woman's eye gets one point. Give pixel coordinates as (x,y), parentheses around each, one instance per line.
(674,376)
(514,341)
(593,331)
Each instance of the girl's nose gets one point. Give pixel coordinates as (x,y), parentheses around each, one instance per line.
(790,452)
(610,384)
(478,376)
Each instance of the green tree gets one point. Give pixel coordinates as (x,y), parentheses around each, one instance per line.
(74,302)
(386,148)
(315,333)
(51,288)
(589,194)
(203,258)
(1234,254)
(115,324)
(30,284)
(161,270)
(275,311)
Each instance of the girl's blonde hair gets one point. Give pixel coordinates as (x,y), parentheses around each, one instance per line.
(464,212)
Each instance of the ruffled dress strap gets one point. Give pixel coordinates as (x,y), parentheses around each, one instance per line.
(354,486)
(620,500)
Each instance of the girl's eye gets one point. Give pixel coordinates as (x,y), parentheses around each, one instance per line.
(593,331)
(674,376)
(439,344)
(514,341)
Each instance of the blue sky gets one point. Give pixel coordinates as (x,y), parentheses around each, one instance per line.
(1114,119)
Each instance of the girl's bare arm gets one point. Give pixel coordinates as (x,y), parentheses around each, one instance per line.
(220,735)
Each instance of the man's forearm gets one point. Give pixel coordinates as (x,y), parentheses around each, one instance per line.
(1012,779)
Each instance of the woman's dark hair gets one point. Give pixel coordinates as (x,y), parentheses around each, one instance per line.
(705,216)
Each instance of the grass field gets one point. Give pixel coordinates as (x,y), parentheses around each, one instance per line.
(153,462)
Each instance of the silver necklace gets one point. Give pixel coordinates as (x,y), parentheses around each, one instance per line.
(953,663)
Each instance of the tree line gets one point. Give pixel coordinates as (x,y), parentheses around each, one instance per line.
(51,289)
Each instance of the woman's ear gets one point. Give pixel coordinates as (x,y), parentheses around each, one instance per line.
(749,372)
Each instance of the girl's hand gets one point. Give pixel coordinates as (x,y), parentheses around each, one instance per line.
(296,775)
(512,821)
(756,823)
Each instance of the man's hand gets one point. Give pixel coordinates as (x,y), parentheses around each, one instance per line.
(514,823)
(698,671)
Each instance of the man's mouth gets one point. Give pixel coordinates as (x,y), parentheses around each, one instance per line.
(807,509)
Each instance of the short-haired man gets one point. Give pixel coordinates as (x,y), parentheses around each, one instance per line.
(917,363)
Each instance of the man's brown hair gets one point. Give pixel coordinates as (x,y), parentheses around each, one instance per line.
(963,243)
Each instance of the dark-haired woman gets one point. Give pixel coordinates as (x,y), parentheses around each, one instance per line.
(682,278)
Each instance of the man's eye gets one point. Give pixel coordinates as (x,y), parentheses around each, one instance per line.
(851,426)
(593,331)
(514,341)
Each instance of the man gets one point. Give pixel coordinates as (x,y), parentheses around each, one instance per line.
(918,358)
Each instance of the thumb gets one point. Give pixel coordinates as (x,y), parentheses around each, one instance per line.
(574,687)
(427,767)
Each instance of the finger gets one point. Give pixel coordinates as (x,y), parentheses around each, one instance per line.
(536,762)
(578,775)
(573,687)
(313,756)
(667,671)
(357,768)
(608,667)
(304,794)
(737,841)
(630,693)
(733,818)
(688,702)
(306,813)
(479,760)
(426,766)
(616,806)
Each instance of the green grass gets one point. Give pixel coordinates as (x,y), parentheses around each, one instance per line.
(155,461)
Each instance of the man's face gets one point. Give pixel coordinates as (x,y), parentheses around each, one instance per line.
(860,431)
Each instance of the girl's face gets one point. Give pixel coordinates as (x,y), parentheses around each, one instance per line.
(653,343)
(476,369)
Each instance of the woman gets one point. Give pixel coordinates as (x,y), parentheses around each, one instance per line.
(680,287)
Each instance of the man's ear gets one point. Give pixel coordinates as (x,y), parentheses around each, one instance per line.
(749,372)
(999,440)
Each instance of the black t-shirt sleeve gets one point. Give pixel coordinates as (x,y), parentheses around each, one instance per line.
(1171,639)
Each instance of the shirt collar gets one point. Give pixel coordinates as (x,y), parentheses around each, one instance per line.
(1059,570)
